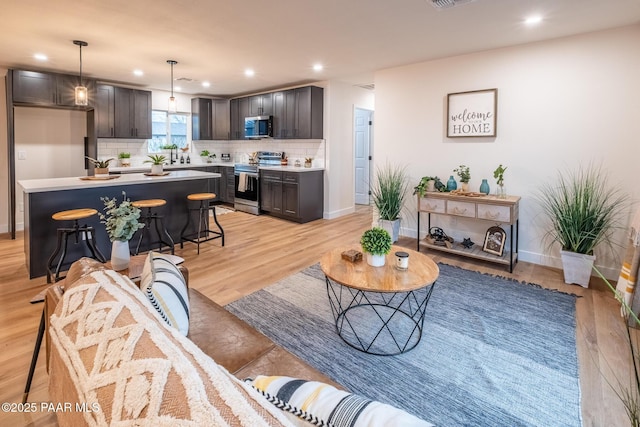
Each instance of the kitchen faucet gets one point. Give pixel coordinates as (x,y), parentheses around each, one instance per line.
(172,161)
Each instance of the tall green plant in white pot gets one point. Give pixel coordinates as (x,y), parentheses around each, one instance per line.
(388,193)
(584,211)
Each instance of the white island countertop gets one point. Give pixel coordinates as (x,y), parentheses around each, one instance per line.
(179,166)
(73,183)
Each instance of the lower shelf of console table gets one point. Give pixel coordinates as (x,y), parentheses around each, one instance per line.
(484,209)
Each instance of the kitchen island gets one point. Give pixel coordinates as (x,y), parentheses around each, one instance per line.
(44,197)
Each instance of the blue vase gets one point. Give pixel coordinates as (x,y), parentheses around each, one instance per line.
(484,187)
(451,184)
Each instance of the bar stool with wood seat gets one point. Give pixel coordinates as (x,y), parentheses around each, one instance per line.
(63,238)
(148,217)
(204,233)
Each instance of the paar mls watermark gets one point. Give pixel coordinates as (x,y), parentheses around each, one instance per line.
(51,407)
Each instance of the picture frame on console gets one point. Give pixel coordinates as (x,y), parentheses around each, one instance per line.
(472,114)
(494,241)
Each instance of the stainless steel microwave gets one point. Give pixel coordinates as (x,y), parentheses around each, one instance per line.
(258,127)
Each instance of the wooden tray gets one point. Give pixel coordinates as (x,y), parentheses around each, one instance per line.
(99,178)
(157,174)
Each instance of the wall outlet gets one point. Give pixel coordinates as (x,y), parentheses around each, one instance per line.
(22,155)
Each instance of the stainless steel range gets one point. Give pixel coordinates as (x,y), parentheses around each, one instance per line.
(247,177)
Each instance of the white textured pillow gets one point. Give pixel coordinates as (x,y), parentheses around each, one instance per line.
(164,285)
(323,404)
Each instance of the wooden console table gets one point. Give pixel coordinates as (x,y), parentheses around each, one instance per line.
(484,208)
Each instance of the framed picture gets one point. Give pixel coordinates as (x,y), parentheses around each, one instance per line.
(472,114)
(494,241)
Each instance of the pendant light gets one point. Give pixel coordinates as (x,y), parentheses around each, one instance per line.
(82,97)
(173,105)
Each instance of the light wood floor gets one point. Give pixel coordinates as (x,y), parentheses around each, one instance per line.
(261,250)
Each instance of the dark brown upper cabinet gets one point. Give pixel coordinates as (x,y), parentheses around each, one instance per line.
(132,110)
(209,119)
(261,105)
(105,111)
(48,89)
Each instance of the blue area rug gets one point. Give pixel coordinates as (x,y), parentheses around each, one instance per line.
(494,352)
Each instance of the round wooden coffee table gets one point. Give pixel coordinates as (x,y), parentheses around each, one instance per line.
(379,310)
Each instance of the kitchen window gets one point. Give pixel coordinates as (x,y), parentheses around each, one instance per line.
(168,129)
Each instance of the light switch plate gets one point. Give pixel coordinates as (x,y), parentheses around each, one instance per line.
(22,155)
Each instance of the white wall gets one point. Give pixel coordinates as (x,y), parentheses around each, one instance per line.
(340,100)
(561,103)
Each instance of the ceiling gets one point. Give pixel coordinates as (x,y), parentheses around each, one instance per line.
(216,40)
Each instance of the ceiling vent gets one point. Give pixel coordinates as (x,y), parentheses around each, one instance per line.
(369,86)
(446,4)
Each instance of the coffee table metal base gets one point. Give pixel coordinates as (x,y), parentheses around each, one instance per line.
(379,323)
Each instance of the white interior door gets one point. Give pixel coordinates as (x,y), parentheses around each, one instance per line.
(363,122)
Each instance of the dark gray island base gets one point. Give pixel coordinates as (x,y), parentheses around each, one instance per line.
(40,230)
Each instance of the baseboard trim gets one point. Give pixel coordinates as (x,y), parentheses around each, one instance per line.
(339,213)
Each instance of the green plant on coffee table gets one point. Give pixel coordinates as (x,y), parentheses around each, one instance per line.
(120,220)
(389,190)
(156,159)
(463,173)
(498,174)
(99,163)
(376,241)
(583,210)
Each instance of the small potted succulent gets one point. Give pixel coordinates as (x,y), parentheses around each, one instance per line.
(125,159)
(465,176)
(157,163)
(376,243)
(204,154)
(101,167)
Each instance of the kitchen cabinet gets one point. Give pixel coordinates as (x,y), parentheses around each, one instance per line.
(230,179)
(48,89)
(261,105)
(297,196)
(239,109)
(132,113)
(298,113)
(201,119)
(220,119)
(105,113)
(488,209)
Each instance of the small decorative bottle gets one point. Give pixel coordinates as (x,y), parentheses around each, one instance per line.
(181,158)
(188,159)
(501,192)
(451,184)
(484,187)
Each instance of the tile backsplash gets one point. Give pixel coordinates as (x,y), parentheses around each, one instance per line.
(294,149)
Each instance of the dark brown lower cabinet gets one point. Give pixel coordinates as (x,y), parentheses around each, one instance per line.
(297,196)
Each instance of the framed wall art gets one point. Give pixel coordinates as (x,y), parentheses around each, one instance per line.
(472,114)
(494,241)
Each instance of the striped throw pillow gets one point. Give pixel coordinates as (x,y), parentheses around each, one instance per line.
(165,287)
(324,405)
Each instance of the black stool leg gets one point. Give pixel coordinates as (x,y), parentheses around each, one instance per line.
(34,359)
(215,219)
(90,239)
(182,235)
(65,232)
(53,256)
(163,230)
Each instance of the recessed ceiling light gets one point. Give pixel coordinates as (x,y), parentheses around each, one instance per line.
(206,84)
(533,20)
(317,67)
(138,72)
(249,72)
(40,56)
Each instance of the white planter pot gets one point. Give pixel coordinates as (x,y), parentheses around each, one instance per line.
(431,185)
(577,268)
(156,169)
(392,227)
(375,260)
(120,256)
(464,186)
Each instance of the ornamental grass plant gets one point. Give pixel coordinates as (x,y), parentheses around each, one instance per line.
(583,209)
(389,191)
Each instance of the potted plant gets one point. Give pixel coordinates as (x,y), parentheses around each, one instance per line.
(498,174)
(121,223)
(204,154)
(464,175)
(101,167)
(388,193)
(307,162)
(428,183)
(125,159)
(584,212)
(376,244)
(157,163)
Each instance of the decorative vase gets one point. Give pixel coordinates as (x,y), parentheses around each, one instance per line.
(464,186)
(101,172)
(451,184)
(484,187)
(156,169)
(501,192)
(125,162)
(375,260)
(120,256)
